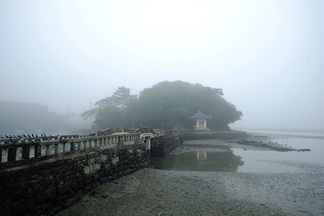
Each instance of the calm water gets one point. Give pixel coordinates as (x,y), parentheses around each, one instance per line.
(251,160)
(272,161)
(199,161)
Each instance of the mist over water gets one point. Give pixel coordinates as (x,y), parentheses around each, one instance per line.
(251,160)
(282,162)
(267,56)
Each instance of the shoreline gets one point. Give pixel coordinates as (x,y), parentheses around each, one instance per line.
(167,192)
(170,192)
(281,134)
(252,143)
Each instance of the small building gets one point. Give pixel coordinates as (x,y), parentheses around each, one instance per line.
(201,120)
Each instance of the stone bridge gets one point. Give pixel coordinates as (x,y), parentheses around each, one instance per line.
(41,175)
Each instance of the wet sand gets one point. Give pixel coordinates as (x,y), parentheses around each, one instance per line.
(168,192)
(160,192)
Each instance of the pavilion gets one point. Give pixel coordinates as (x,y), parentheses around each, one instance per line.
(201,120)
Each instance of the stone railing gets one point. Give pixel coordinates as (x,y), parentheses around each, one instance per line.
(171,132)
(45,187)
(25,148)
(12,150)
(43,175)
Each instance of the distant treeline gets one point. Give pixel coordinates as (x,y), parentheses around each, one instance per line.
(19,117)
(165,105)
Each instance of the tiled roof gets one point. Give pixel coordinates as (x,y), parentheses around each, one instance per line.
(200,115)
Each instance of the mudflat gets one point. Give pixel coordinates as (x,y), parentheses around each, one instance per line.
(167,192)
(170,192)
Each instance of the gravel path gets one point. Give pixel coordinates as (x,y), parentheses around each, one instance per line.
(161,192)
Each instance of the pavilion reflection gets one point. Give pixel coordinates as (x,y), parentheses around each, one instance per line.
(199,161)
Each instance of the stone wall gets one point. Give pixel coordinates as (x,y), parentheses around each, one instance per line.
(161,146)
(47,187)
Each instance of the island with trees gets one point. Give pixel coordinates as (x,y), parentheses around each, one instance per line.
(165,105)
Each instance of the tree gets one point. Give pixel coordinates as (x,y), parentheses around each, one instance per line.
(164,105)
(111,111)
(120,99)
(167,104)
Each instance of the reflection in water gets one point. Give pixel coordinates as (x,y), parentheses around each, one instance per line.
(220,158)
(201,155)
(198,161)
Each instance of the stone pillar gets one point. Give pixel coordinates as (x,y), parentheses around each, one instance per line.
(148,143)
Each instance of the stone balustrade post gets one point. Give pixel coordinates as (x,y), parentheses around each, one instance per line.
(56,148)
(47,149)
(96,143)
(12,150)
(25,152)
(64,147)
(72,146)
(37,152)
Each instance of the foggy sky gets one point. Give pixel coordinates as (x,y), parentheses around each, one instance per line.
(267,56)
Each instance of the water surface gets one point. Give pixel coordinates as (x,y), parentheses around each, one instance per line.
(199,161)
(255,161)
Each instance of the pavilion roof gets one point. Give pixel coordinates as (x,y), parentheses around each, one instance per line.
(200,115)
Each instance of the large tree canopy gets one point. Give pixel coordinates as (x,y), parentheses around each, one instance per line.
(165,105)
(112,111)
